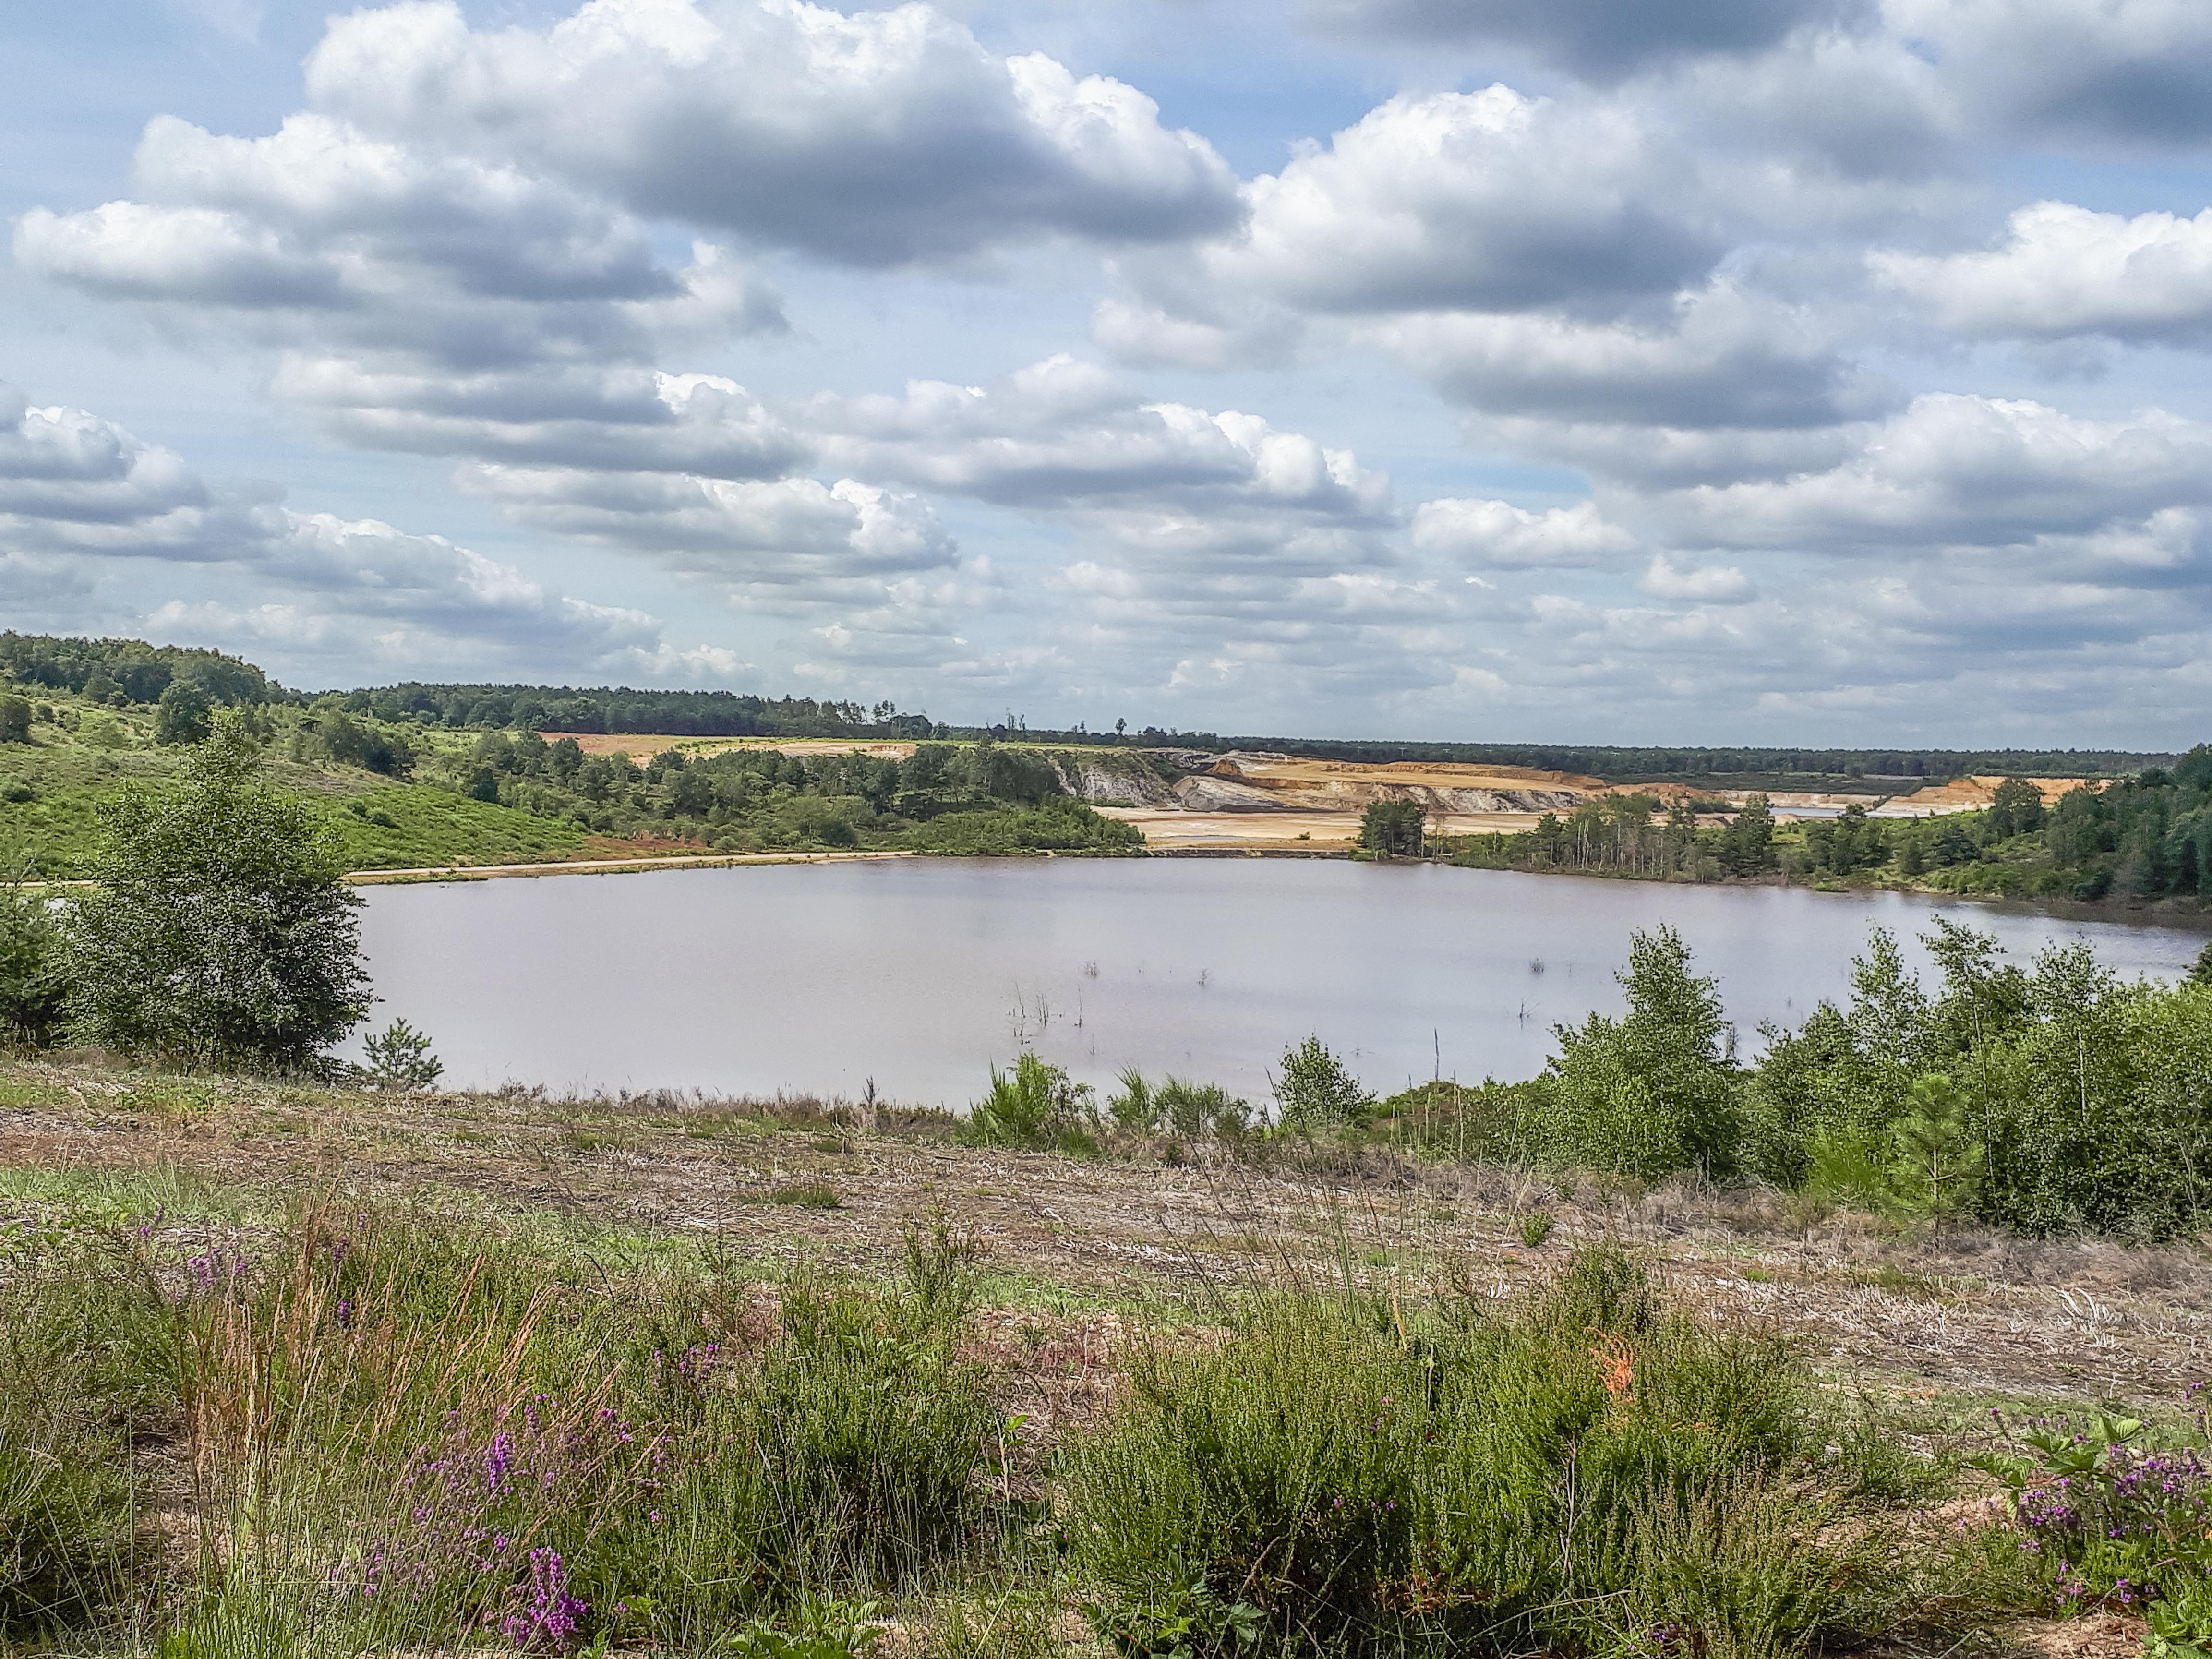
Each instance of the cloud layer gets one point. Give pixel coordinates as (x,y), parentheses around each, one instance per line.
(1810,368)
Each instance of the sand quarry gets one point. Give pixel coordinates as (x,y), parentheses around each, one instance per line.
(1282,802)
(1277,803)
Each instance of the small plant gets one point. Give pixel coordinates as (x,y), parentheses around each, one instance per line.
(822,1628)
(2181,1625)
(2110,1519)
(1535,1228)
(400,1061)
(1316,1092)
(1189,1621)
(939,1264)
(1037,1104)
(807,1196)
(1133,1109)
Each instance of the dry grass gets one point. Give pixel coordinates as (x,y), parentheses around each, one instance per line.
(1969,1316)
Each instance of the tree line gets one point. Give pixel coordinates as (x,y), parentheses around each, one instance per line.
(2046,1097)
(979,798)
(2146,836)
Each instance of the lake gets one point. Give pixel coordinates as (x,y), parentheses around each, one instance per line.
(921,974)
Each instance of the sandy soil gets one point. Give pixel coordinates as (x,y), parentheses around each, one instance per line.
(1968,795)
(603,866)
(1967,1318)
(1169,831)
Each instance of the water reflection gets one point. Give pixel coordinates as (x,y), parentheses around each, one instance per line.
(922,972)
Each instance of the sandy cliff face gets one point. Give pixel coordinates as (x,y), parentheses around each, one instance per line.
(1283,783)
(1116,780)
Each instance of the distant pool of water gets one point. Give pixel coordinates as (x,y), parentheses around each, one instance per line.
(921,974)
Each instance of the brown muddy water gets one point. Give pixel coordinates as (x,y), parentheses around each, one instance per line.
(921,974)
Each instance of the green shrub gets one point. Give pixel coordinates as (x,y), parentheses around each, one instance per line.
(1036,1104)
(86,1362)
(32,990)
(1572,1475)
(1315,1091)
(1195,1111)
(1651,1093)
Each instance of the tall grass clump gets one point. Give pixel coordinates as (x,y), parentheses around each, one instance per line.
(414,1436)
(1589,1471)
(1035,1104)
(84,1349)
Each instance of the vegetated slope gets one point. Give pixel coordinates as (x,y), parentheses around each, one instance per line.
(81,752)
(406,796)
(2147,837)
(717,1362)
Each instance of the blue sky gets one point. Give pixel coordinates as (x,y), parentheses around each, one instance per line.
(1781,371)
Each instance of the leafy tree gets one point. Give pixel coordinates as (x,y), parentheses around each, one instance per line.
(1393,828)
(1316,1092)
(1912,855)
(1953,845)
(351,743)
(2201,972)
(2015,809)
(184,713)
(1654,1091)
(31,983)
(219,931)
(14,720)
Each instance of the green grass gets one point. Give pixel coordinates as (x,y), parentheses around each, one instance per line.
(431,826)
(806,1196)
(380,824)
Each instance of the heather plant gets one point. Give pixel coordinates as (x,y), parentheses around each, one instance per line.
(1582,1473)
(80,1354)
(2110,1518)
(420,1435)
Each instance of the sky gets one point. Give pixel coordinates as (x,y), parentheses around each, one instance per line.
(1714,372)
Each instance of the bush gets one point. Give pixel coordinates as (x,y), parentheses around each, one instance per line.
(1195,1111)
(86,1360)
(1035,1105)
(33,990)
(1314,1090)
(1572,1476)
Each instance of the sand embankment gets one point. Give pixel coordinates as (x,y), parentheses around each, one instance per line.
(1290,803)
(1969,795)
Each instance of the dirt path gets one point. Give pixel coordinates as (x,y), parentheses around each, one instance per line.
(594,867)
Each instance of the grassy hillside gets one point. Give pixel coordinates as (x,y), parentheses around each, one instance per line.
(404,795)
(81,751)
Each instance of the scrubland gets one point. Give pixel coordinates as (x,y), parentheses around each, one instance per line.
(294,1370)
